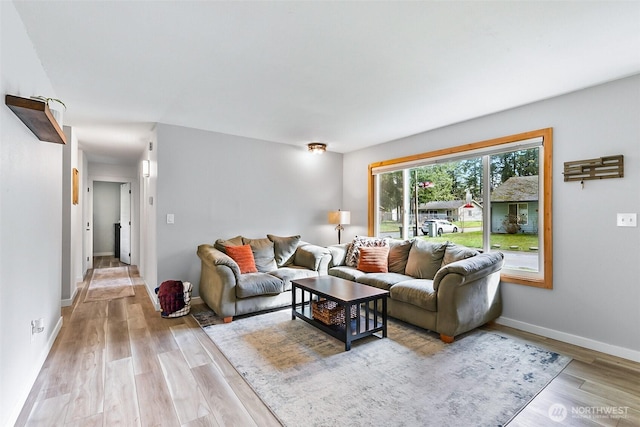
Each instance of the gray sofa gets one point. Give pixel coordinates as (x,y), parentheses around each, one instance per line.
(443,287)
(278,260)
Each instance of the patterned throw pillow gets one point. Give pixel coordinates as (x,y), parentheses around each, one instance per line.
(374,260)
(363,241)
(243,256)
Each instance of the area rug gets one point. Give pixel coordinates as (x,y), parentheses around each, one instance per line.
(109,283)
(410,378)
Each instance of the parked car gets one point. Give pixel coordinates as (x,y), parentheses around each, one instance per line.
(441,226)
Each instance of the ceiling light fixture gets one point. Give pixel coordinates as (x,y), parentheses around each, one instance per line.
(317,147)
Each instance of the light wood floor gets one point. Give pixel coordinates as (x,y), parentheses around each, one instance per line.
(119,363)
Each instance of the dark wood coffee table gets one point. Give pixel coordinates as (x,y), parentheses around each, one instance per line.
(346,294)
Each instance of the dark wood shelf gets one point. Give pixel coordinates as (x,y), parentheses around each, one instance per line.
(37,116)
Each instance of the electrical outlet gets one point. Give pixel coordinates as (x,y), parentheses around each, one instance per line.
(170,218)
(37,326)
(627,220)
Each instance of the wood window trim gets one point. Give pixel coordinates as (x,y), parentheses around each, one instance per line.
(546,282)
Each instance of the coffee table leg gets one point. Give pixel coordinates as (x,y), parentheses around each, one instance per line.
(384,317)
(347,327)
(293,302)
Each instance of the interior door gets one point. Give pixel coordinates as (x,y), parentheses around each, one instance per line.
(88,234)
(125,223)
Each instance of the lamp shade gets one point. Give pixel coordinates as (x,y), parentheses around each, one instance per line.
(340,217)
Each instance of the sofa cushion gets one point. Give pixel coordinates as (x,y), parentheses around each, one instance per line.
(309,256)
(418,292)
(243,256)
(398,254)
(359,241)
(263,253)
(287,274)
(339,254)
(284,248)
(382,280)
(254,284)
(346,272)
(221,244)
(374,260)
(453,253)
(425,259)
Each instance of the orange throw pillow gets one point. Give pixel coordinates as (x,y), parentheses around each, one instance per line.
(243,256)
(374,259)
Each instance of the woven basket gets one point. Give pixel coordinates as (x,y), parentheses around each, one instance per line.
(330,313)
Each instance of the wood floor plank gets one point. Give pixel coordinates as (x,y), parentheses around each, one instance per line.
(156,405)
(117,309)
(619,379)
(227,408)
(118,346)
(192,350)
(94,421)
(143,351)
(87,396)
(187,397)
(49,412)
(120,396)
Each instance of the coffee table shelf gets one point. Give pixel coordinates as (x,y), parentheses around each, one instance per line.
(346,294)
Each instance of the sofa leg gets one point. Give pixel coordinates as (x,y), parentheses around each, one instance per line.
(446,338)
(228,319)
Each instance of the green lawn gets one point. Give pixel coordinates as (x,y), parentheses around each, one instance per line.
(473,239)
(506,242)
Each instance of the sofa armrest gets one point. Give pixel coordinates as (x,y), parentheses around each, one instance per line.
(218,278)
(468,293)
(313,257)
(210,255)
(338,254)
(471,269)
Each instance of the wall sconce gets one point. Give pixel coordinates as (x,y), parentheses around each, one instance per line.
(317,147)
(146,168)
(340,217)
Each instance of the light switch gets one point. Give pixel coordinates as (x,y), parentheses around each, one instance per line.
(627,220)
(170,219)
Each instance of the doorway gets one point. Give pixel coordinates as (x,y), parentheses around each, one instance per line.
(111,218)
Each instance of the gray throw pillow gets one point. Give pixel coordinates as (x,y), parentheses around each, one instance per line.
(284,248)
(220,244)
(425,259)
(398,255)
(263,254)
(455,253)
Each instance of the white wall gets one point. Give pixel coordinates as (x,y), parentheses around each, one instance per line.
(596,298)
(219,186)
(106,212)
(30,224)
(72,272)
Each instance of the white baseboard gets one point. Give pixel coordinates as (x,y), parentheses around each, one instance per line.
(625,353)
(32,376)
(69,302)
(104,254)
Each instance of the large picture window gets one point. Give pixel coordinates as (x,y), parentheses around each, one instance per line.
(492,195)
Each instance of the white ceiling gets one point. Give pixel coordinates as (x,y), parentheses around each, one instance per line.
(350,74)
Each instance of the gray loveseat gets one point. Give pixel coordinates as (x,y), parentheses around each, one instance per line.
(278,260)
(443,287)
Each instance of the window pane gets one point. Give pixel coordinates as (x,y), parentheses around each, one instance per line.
(514,208)
(442,191)
(390,201)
